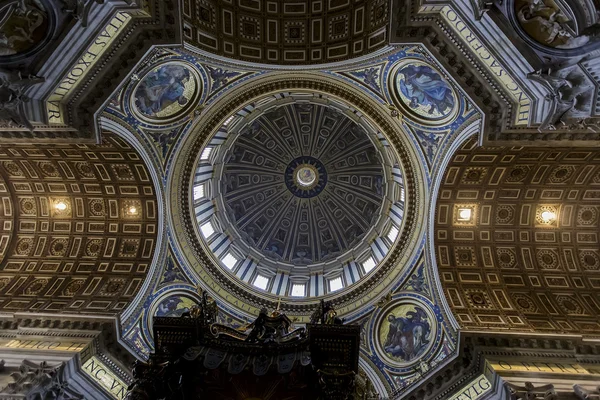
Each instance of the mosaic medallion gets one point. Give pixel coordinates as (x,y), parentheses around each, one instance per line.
(422,92)
(166,93)
(405,332)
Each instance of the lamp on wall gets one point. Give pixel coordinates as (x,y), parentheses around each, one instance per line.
(132,210)
(547,215)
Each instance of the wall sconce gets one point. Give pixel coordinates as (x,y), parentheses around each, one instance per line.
(464,214)
(131,209)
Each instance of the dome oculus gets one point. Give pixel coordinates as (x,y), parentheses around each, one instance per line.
(305,177)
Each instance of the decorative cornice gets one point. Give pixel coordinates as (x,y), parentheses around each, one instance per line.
(476,346)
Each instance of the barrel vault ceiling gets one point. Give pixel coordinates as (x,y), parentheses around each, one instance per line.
(305,31)
(508,269)
(90,257)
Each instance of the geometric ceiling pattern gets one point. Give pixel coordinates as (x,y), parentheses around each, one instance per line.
(296,195)
(510,265)
(299,32)
(286,220)
(79,222)
(78,226)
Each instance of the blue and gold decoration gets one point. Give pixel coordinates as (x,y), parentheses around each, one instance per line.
(291,178)
(422,92)
(174,306)
(405,331)
(166,92)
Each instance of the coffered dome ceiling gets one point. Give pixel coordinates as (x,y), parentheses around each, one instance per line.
(303,190)
(302,184)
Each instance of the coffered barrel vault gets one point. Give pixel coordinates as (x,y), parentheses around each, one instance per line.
(525,256)
(276,32)
(79,226)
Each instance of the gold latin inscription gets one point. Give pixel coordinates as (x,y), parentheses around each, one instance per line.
(44,345)
(474,390)
(541,366)
(519,97)
(54,105)
(100,373)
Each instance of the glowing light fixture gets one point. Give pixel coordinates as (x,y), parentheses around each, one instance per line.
(132,210)
(60,206)
(548,216)
(464,214)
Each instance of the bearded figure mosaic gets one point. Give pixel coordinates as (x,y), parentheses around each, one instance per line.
(423,91)
(405,333)
(165,92)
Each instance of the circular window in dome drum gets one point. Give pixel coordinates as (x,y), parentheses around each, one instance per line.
(297,191)
(166,92)
(422,92)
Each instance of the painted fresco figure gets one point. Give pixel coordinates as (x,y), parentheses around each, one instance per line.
(162,88)
(22,25)
(424,86)
(407,336)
